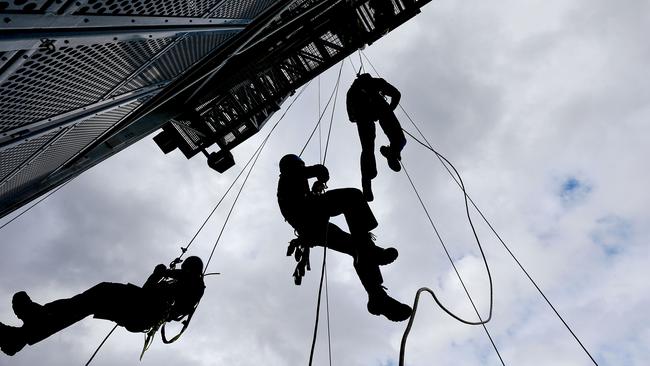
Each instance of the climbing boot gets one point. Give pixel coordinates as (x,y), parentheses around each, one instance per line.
(392,158)
(366,185)
(25,309)
(384,256)
(380,303)
(12,339)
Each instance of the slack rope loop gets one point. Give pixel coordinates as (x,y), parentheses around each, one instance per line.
(324,110)
(407,331)
(503,243)
(478,242)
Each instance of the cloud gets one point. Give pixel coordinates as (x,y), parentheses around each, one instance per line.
(542,106)
(612,233)
(574,191)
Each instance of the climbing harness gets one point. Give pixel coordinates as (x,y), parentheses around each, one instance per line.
(300,251)
(160,325)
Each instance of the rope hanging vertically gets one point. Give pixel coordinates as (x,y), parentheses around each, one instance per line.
(320,139)
(323,113)
(324,265)
(327,302)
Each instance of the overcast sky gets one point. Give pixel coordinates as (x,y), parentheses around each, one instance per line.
(543,106)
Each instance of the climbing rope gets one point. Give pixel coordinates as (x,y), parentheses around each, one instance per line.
(324,265)
(320,288)
(324,110)
(252,159)
(478,242)
(503,243)
(327,302)
(100,345)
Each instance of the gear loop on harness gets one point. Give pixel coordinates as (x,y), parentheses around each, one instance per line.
(299,248)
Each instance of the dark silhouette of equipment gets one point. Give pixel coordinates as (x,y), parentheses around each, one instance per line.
(220,161)
(167,295)
(366,103)
(308,212)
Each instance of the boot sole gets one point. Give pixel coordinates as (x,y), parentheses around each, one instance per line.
(393,163)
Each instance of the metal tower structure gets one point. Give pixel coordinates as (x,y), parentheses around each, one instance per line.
(81,80)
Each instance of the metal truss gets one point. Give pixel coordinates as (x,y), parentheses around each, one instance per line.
(314,37)
(81,80)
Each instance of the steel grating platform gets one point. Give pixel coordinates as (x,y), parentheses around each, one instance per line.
(81,80)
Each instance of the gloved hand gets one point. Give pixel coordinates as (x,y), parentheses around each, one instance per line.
(323,174)
(319,187)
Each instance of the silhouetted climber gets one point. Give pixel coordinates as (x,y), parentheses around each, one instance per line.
(366,103)
(308,211)
(168,294)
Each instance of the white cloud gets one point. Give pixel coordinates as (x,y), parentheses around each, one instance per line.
(520,96)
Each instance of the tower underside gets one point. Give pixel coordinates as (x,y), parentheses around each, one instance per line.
(82,80)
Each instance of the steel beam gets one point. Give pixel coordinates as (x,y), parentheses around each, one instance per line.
(29,31)
(77,23)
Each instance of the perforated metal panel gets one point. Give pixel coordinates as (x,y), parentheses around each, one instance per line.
(50,83)
(24,5)
(177,59)
(13,159)
(51,156)
(245,9)
(178,8)
(66,66)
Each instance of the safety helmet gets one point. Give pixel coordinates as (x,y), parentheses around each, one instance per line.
(192,264)
(364,76)
(290,162)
